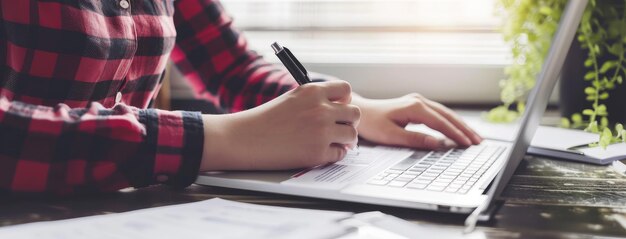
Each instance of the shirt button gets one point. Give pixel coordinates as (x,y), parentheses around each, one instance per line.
(124,4)
(118,97)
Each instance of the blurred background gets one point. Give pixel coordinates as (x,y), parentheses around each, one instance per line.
(447,50)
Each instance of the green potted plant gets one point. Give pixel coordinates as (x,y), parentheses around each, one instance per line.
(593,75)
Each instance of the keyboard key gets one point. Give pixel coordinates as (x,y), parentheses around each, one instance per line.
(452,190)
(454,170)
(439,184)
(434,171)
(404,175)
(422,181)
(445,176)
(417,185)
(410,161)
(417,170)
(394,171)
(435,188)
(403,179)
(454,186)
(397,183)
(437,168)
(378,182)
(389,178)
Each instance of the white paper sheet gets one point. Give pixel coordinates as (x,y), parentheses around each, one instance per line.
(215,218)
(218,218)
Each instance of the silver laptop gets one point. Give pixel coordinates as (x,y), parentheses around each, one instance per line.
(457,180)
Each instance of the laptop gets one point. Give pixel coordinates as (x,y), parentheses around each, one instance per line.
(466,181)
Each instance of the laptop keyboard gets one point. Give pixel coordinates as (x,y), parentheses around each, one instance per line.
(453,171)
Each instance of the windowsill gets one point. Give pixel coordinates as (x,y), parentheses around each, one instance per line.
(450,67)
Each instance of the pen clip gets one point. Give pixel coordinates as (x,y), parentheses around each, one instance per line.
(298,64)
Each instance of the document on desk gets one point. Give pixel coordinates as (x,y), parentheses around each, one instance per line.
(219,218)
(215,218)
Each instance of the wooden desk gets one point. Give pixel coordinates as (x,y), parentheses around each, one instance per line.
(546,198)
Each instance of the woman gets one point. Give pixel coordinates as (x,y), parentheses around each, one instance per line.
(77,78)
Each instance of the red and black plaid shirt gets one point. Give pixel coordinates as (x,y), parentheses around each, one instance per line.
(77,76)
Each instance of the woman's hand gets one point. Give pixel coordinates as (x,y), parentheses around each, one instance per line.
(383,122)
(311,125)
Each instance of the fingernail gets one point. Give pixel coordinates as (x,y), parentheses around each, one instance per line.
(467,141)
(447,143)
(478,138)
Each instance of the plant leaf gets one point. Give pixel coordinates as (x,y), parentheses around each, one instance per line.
(604,122)
(577,118)
(605,138)
(604,96)
(565,123)
(590,76)
(607,66)
(601,109)
(545,10)
(592,127)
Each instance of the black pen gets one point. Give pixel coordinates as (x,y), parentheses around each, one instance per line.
(293,65)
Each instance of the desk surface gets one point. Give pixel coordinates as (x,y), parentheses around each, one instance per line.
(545,198)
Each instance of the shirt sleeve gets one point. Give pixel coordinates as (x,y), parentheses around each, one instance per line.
(215,58)
(59,150)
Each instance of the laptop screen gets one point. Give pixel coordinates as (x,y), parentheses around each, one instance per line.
(537,103)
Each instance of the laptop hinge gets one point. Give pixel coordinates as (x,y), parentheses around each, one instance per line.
(482,214)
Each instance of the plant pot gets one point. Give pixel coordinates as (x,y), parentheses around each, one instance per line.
(572,85)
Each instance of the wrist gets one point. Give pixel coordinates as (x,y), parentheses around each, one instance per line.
(217,142)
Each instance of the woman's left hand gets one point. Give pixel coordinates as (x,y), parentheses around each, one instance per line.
(383,122)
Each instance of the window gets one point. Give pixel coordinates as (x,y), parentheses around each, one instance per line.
(386,48)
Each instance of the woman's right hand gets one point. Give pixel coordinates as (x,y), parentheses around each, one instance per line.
(311,125)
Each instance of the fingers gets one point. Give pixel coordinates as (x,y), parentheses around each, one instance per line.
(434,120)
(347,114)
(335,152)
(344,134)
(455,120)
(402,137)
(338,91)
